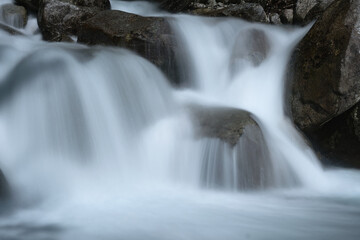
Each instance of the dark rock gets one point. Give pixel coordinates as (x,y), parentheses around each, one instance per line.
(287,16)
(338,140)
(4,187)
(251,46)
(175,5)
(30,5)
(309,10)
(151,37)
(248,11)
(275,18)
(13,15)
(324,69)
(58,19)
(227,124)
(10,30)
(235,154)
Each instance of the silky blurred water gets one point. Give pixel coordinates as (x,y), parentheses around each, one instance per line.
(97,144)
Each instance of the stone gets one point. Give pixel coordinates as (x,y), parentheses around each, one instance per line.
(59,19)
(324,69)
(15,16)
(150,37)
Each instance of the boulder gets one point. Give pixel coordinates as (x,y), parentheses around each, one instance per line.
(309,10)
(235,154)
(10,30)
(59,19)
(338,140)
(4,187)
(324,83)
(13,15)
(324,69)
(251,46)
(226,124)
(252,12)
(150,37)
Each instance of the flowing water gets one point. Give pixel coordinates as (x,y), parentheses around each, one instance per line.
(97,144)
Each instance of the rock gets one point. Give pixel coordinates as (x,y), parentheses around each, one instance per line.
(150,37)
(13,15)
(275,18)
(235,154)
(287,16)
(251,46)
(309,10)
(175,5)
(324,69)
(338,140)
(10,30)
(58,19)
(248,11)
(227,124)
(4,187)
(30,5)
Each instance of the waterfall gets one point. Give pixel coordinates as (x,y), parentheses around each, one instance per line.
(97,144)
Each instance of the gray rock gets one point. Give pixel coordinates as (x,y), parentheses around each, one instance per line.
(251,46)
(227,124)
(287,16)
(10,30)
(58,19)
(232,135)
(309,10)
(4,187)
(275,18)
(13,15)
(324,70)
(150,37)
(248,11)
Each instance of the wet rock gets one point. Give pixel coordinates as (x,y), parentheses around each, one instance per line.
(150,37)
(10,30)
(13,15)
(287,16)
(227,124)
(59,19)
(175,5)
(324,70)
(251,46)
(248,11)
(30,5)
(309,10)
(235,154)
(4,187)
(275,18)
(338,140)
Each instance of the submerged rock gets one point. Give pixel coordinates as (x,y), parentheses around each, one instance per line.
(227,124)
(10,30)
(150,37)
(59,19)
(251,46)
(235,154)
(13,15)
(4,187)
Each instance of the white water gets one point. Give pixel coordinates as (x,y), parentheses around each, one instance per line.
(97,145)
